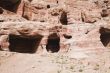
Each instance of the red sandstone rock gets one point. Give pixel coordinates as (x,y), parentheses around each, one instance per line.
(56,25)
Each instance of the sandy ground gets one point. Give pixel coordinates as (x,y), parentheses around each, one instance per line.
(54,63)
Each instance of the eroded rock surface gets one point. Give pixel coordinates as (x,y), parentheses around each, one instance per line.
(54,25)
(54,36)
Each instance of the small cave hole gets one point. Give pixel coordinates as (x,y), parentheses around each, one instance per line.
(53,43)
(1,20)
(57,2)
(104,13)
(63,18)
(48,6)
(24,44)
(105,37)
(1,10)
(106,1)
(67,36)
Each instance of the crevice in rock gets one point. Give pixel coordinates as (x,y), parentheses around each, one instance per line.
(1,10)
(53,43)
(1,20)
(67,36)
(106,1)
(105,37)
(26,17)
(57,2)
(63,18)
(87,32)
(104,13)
(48,6)
(24,44)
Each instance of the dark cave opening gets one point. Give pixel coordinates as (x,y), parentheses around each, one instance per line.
(1,10)
(11,5)
(53,43)
(48,6)
(67,36)
(24,44)
(105,37)
(104,13)
(63,18)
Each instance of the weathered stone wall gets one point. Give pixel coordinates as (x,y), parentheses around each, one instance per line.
(74,23)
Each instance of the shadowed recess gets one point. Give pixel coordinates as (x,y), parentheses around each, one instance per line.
(53,43)
(24,44)
(11,5)
(63,18)
(105,37)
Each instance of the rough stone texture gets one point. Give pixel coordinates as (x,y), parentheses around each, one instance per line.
(77,23)
(54,36)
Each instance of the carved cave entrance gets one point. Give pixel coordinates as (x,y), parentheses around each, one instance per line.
(24,44)
(53,43)
(11,5)
(105,37)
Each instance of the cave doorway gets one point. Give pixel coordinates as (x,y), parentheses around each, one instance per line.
(11,5)
(24,44)
(105,37)
(53,43)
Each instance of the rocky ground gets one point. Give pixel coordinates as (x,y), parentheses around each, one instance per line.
(88,62)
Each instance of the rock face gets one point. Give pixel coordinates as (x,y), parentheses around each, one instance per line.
(30,26)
